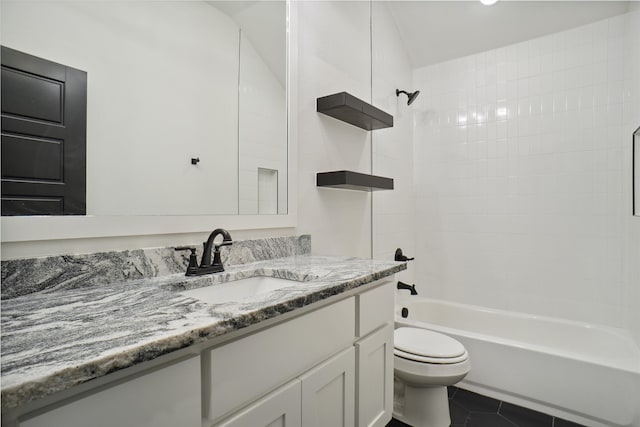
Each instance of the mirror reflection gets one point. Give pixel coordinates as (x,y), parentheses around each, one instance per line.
(168,82)
(635,149)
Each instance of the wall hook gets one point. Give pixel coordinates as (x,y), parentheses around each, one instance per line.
(195,160)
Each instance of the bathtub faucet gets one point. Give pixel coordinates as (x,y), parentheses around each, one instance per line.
(412,288)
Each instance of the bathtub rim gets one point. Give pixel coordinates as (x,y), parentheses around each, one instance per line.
(620,333)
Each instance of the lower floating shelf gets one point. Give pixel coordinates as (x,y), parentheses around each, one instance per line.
(349,180)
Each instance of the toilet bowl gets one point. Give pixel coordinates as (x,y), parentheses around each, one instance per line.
(425,363)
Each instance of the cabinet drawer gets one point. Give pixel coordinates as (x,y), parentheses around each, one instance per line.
(246,369)
(167,397)
(375,308)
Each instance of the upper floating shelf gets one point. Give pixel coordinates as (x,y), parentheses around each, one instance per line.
(348,108)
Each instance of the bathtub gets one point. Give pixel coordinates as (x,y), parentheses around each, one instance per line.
(584,373)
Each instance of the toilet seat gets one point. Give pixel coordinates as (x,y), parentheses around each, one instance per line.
(426,346)
(433,360)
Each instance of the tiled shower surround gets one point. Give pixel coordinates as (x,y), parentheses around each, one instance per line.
(523,175)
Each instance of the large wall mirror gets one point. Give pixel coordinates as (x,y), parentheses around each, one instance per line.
(168,82)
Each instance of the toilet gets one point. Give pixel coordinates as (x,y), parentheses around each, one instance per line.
(425,363)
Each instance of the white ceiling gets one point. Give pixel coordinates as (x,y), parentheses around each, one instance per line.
(437,31)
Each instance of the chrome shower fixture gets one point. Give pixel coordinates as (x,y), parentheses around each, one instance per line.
(412,95)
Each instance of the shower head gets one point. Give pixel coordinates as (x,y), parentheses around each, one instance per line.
(412,95)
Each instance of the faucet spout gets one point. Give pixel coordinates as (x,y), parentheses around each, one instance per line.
(206,255)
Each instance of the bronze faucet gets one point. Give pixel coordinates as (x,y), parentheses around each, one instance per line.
(206,266)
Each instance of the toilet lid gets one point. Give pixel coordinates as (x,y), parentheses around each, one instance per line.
(424,343)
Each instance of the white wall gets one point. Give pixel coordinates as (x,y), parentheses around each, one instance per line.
(159,93)
(522,173)
(393,219)
(333,56)
(337,54)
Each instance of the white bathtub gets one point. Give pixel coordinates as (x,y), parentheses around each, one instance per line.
(584,373)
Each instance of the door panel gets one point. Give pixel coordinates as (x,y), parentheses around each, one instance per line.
(31,96)
(42,158)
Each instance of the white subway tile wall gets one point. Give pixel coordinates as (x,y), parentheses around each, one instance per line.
(522,175)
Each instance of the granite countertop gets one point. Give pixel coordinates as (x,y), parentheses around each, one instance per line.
(54,341)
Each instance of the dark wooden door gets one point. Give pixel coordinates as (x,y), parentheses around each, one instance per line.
(44,115)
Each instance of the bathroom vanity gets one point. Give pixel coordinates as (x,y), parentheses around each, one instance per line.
(316,352)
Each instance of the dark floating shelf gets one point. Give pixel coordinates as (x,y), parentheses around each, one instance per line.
(353,181)
(352,110)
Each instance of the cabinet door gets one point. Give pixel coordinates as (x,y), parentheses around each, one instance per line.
(328,393)
(375,378)
(168,397)
(278,409)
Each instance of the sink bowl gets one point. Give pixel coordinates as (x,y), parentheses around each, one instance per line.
(238,289)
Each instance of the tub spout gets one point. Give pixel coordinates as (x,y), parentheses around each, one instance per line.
(412,288)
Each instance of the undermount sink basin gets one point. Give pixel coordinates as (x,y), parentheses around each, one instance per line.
(238,289)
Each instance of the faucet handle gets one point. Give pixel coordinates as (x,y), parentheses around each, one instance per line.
(193,259)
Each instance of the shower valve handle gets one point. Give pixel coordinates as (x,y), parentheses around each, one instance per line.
(399,256)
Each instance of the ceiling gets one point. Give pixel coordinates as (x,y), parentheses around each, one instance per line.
(437,31)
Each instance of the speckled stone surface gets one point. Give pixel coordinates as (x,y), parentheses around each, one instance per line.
(52,341)
(50,274)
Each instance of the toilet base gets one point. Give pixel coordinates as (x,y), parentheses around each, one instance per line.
(425,407)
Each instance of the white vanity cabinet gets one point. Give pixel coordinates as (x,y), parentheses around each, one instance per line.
(328,366)
(167,397)
(239,372)
(322,397)
(352,388)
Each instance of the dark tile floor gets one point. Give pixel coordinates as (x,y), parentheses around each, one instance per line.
(469,409)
